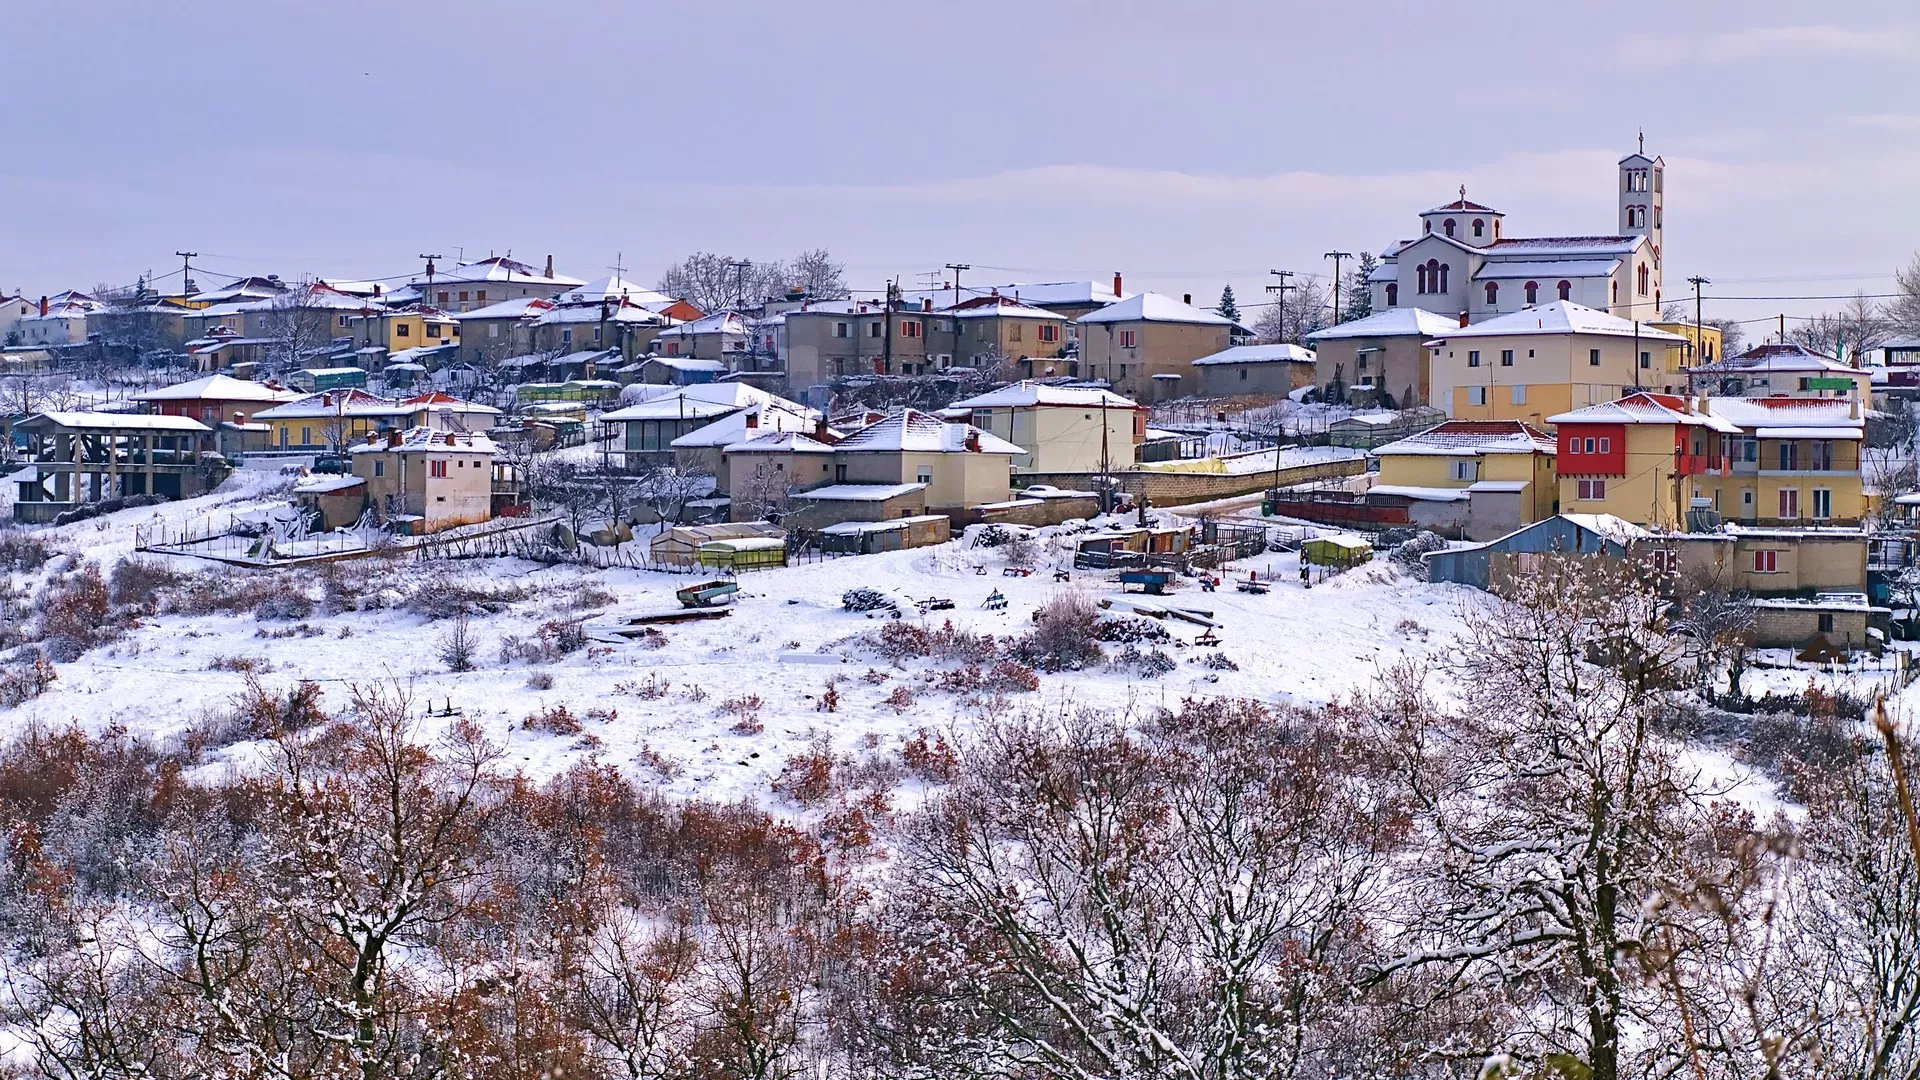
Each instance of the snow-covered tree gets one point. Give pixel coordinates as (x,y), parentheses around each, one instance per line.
(1226,308)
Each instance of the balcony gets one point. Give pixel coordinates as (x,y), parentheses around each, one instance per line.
(1701,464)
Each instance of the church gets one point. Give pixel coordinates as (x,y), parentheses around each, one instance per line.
(1463,264)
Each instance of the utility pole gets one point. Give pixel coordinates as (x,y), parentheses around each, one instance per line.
(426,297)
(886,317)
(740,267)
(956,268)
(1336,256)
(186,272)
(1280,293)
(1783,328)
(1696,281)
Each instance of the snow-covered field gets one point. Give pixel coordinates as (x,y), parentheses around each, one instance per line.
(785,637)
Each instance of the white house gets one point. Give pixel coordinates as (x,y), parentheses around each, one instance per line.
(1466,262)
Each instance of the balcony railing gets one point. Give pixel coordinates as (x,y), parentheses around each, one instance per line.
(1700,464)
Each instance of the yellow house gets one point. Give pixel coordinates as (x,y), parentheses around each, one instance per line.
(1485,478)
(1704,343)
(1058,428)
(407,328)
(331,421)
(1541,361)
(1660,460)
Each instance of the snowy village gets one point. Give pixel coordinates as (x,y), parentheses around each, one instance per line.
(1482,650)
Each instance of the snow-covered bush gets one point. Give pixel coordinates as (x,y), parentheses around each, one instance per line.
(139,583)
(1062,638)
(1147,663)
(899,640)
(1408,555)
(865,599)
(22,551)
(26,680)
(76,613)
(1129,628)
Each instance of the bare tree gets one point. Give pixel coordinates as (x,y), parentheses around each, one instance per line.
(818,275)
(1558,816)
(1903,311)
(721,282)
(1294,314)
(1855,328)
(297,328)
(1718,621)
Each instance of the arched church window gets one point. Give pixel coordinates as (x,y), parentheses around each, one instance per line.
(1393,294)
(1643,279)
(1449,226)
(1493,293)
(1616,292)
(1533,292)
(1426,226)
(1479,227)
(1566,291)
(1420,278)
(1443,277)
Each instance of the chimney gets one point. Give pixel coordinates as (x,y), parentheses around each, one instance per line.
(393,439)
(376,289)
(1463,318)
(1706,405)
(1116,283)
(1853,408)
(926,304)
(753,421)
(43,307)
(1186,298)
(973,440)
(549,266)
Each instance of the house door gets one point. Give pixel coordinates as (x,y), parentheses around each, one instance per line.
(839,474)
(1746,504)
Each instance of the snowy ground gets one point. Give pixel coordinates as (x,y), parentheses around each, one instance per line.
(785,637)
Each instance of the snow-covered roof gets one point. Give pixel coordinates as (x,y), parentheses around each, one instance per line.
(540,359)
(1618,530)
(734,428)
(779,442)
(1153,307)
(519,307)
(495,268)
(121,421)
(1000,307)
(322,484)
(1392,322)
(1646,408)
(218,388)
(685,363)
(246,288)
(1804,418)
(1774,357)
(1499,486)
(1548,271)
(1461,206)
(1457,438)
(1429,494)
(1039,294)
(702,399)
(1025,394)
(854,528)
(426,440)
(1562,247)
(859,492)
(720,322)
(1837,600)
(1559,317)
(920,432)
(355,402)
(594,312)
(1259,354)
(614,287)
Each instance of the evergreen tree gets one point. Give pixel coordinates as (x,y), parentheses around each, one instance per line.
(1358,299)
(1228,309)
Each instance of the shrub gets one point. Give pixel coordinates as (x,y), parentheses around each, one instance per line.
(245,664)
(539,680)
(1129,628)
(1148,663)
(285,605)
(554,720)
(930,757)
(898,640)
(443,596)
(22,551)
(260,713)
(1062,638)
(457,647)
(1219,662)
(900,698)
(76,608)
(138,583)
(1408,555)
(563,636)
(25,681)
(652,688)
(587,597)
(829,698)
(865,599)
(1010,676)
(807,778)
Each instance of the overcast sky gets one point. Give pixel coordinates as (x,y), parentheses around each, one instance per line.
(1185,144)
